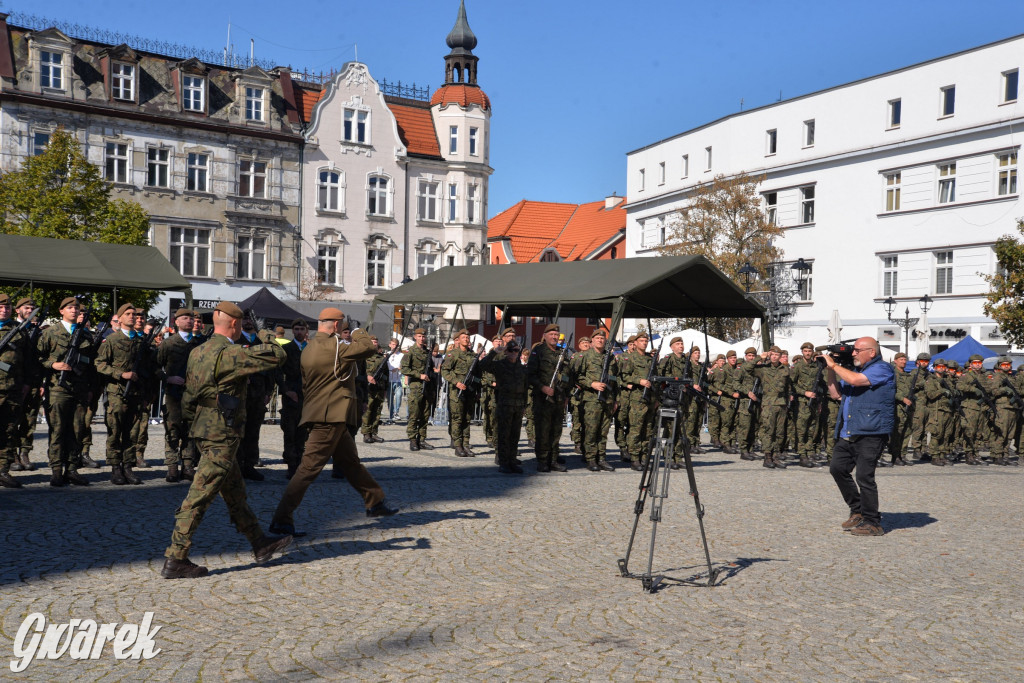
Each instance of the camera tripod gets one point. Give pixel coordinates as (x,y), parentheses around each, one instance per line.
(654,484)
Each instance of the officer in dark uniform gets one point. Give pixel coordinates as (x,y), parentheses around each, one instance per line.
(172,360)
(290,389)
(13,389)
(257,396)
(35,378)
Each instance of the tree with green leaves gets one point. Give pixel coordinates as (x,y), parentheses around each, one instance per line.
(1005,299)
(59,194)
(725,222)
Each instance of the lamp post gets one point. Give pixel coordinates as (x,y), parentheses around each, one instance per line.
(776,299)
(906,322)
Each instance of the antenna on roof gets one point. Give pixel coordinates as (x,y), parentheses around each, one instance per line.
(741,104)
(227,45)
(356,46)
(780,95)
(252,52)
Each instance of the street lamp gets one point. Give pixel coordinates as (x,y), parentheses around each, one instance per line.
(906,322)
(747,271)
(801,270)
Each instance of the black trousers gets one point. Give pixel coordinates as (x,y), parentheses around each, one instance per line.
(861,453)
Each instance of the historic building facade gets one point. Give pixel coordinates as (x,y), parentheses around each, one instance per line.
(897,185)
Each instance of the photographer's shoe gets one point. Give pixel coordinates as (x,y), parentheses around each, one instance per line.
(853,521)
(866,528)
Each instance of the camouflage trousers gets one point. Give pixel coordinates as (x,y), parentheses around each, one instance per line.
(547,425)
(374,406)
(217,472)
(641,417)
(28,418)
(830,427)
(460,411)
(901,425)
(489,412)
(84,426)
(531,431)
(746,424)
(974,430)
(919,427)
(122,419)
(622,414)
(508,428)
(140,432)
(940,430)
(695,420)
(294,435)
(418,407)
(806,425)
(597,415)
(177,443)
(65,414)
(10,424)
(576,410)
(773,421)
(1006,425)
(727,428)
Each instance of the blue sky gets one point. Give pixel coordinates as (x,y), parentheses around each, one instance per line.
(576,84)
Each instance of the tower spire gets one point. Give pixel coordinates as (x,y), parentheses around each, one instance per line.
(460,64)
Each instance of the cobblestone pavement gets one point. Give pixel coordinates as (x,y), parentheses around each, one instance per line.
(497,577)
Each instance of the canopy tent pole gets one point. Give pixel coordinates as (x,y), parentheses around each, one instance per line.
(618,309)
(502,325)
(373,311)
(766,340)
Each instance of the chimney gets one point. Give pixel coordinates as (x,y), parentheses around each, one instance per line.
(612,201)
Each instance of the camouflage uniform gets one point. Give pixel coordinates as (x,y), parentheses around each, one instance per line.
(717,388)
(512,387)
(1007,414)
(774,402)
(34,401)
(676,366)
(974,387)
(489,406)
(117,356)
(597,412)
(576,401)
(806,377)
(919,420)
(731,406)
(417,362)
(903,417)
(219,367)
(67,403)
(641,413)
(376,394)
(940,392)
(172,360)
(548,416)
(460,410)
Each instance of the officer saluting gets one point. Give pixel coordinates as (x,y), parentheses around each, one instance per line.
(214,402)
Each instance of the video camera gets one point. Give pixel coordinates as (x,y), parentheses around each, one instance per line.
(672,389)
(841,352)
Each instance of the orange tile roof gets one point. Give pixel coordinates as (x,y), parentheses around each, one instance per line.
(573,230)
(462,95)
(306,98)
(416,128)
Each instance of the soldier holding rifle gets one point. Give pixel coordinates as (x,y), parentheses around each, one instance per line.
(548,401)
(14,387)
(598,375)
(417,367)
(457,370)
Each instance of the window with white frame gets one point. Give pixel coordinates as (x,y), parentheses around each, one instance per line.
(453,202)
(40,141)
(253,103)
(642,179)
(686,165)
(427,200)
(472,204)
(252,253)
(198,167)
(771,205)
(328,191)
(661,173)
(327,264)
(116,167)
(892,191)
(193,93)
(158,164)
(376,263)
(707,158)
(890,275)
(807,204)
(377,196)
(122,81)
(1010,85)
(947,100)
(472,142)
(190,251)
(947,183)
(662,230)
(771,141)
(356,126)
(252,178)
(472,256)
(809,133)
(51,70)
(453,139)
(450,259)
(1007,183)
(943,272)
(895,113)
(427,259)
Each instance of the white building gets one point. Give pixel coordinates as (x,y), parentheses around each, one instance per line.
(395,187)
(895,185)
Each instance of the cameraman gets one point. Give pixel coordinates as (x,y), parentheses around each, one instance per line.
(868,395)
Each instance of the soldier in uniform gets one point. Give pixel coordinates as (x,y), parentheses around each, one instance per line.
(68,401)
(290,389)
(512,384)
(376,393)
(460,395)
(1007,410)
(172,361)
(35,377)
(789,424)
(214,405)
(941,398)
(731,401)
(548,401)
(417,367)
(674,364)
(576,396)
(807,375)
(973,387)
(716,385)
(330,412)
(904,415)
(634,377)
(488,398)
(257,396)
(622,406)
(14,387)
(695,414)
(919,424)
(83,421)
(775,385)
(750,406)
(598,400)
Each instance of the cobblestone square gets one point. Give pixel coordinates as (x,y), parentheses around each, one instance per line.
(484,576)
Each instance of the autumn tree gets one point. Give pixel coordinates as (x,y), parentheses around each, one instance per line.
(725,222)
(59,194)
(1005,299)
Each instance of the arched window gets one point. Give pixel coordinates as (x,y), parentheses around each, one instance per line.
(330,190)
(379,191)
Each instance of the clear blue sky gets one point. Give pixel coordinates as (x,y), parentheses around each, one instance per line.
(575,84)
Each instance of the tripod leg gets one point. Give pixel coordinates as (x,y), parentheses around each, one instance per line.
(659,483)
(638,507)
(712,572)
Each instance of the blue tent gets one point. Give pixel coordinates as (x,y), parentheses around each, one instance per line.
(964,349)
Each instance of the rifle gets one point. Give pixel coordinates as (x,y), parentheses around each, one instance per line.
(605,368)
(756,390)
(913,390)
(137,354)
(702,395)
(650,372)
(74,355)
(1015,401)
(819,388)
(989,403)
(468,380)
(10,336)
(954,398)
(558,366)
(378,374)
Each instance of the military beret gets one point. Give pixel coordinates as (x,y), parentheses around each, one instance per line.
(694,348)
(67,302)
(674,340)
(125,307)
(976,356)
(23,301)
(228,308)
(731,354)
(719,357)
(775,349)
(461,332)
(509,330)
(331,313)
(4,299)
(632,338)
(343,325)
(924,356)
(643,335)
(299,322)
(899,355)
(419,330)
(181,312)
(552,328)
(750,349)
(496,338)
(598,333)
(584,338)
(807,345)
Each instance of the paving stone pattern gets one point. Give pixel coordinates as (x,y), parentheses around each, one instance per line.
(484,576)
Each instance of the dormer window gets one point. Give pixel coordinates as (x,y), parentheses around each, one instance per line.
(193,93)
(254,103)
(51,70)
(122,81)
(357,126)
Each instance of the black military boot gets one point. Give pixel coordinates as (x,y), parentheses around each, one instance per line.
(188,472)
(777,462)
(265,548)
(467,451)
(182,569)
(88,461)
(129,475)
(173,475)
(249,472)
(16,465)
(26,464)
(805,461)
(747,455)
(460,452)
(556,466)
(73,477)
(768,461)
(414,445)
(117,476)
(424,446)
(367,438)
(7,481)
(377,438)
(57,477)
(140,461)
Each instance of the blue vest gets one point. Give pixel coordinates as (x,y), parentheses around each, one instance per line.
(869,410)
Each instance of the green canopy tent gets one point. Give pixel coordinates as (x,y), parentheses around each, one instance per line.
(43,261)
(660,287)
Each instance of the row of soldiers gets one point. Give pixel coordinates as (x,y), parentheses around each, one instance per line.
(67,367)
